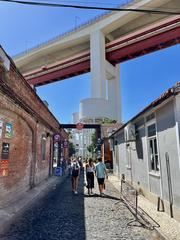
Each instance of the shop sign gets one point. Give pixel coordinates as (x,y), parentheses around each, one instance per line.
(5,150)
(8,130)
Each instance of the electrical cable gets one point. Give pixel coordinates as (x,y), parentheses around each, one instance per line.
(93,7)
(89,3)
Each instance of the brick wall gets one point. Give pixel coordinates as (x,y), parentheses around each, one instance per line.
(26,125)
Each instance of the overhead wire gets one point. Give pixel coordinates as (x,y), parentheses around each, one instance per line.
(89,3)
(152,11)
(118,4)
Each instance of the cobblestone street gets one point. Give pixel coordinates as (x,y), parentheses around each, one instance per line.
(62,215)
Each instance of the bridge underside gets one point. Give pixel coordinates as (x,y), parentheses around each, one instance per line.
(139,43)
(122,36)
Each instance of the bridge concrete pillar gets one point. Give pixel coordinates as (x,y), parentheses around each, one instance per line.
(113,90)
(105,89)
(98,72)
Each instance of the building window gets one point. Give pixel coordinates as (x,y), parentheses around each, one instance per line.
(43,147)
(150,117)
(151,130)
(153,148)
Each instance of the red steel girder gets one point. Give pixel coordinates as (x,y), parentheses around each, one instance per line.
(61,74)
(115,53)
(148,45)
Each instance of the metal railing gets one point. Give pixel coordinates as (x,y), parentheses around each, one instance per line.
(129,195)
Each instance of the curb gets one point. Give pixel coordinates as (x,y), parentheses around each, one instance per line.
(162,236)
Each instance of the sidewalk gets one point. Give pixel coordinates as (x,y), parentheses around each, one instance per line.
(169,228)
(15,207)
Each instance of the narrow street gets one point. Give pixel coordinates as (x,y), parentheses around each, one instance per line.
(62,215)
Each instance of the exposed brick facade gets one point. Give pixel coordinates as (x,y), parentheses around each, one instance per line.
(27,126)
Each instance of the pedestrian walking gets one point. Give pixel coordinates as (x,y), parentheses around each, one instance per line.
(75,172)
(69,167)
(101,173)
(90,169)
(63,161)
(80,160)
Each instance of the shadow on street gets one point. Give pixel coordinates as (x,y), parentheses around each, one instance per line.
(58,215)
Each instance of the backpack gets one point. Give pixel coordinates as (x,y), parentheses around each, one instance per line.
(75,169)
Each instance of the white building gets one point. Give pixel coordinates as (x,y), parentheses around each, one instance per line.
(81,138)
(147,151)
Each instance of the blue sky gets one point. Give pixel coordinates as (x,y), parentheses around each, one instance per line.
(142,79)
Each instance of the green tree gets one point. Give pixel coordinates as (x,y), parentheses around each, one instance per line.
(69,131)
(71,149)
(108,120)
(92,147)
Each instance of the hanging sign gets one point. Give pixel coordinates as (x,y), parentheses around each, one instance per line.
(8,130)
(65,143)
(57,137)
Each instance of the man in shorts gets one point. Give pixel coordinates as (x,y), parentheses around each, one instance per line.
(101,173)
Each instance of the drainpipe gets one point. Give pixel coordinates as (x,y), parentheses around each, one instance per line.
(130,161)
(34,157)
(169,184)
(51,156)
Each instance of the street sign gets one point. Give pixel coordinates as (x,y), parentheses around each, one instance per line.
(58,171)
(57,137)
(65,143)
(79,126)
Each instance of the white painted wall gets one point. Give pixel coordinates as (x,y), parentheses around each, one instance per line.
(133,157)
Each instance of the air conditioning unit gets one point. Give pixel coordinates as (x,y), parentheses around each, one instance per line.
(111,144)
(129,132)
